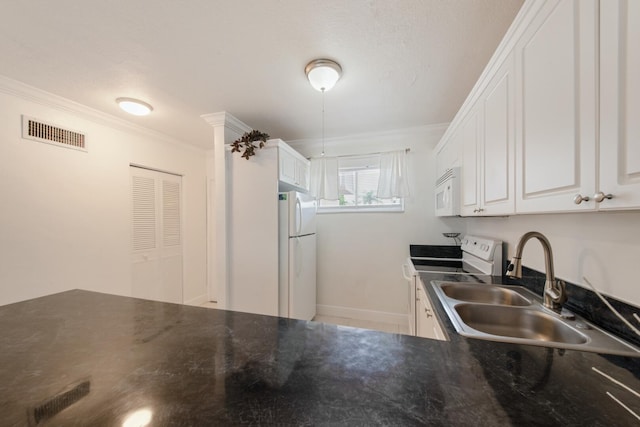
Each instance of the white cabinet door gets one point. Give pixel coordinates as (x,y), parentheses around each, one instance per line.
(427,325)
(294,170)
(556,118)
(620,103)
(287,165)
(488,149)
(471,152)
(302,174)
(448,154)
(496,177)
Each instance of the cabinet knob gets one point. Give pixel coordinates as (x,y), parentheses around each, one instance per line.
(478,210)
(579,199)
(600,196)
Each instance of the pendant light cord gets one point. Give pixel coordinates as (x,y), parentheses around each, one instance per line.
(322,154)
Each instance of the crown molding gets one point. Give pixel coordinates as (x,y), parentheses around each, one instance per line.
(230,123)
(29,93)
(391,133)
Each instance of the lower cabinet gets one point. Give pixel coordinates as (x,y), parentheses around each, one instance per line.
(427,324)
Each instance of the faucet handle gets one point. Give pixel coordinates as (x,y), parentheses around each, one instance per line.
(557,292)
(563,291)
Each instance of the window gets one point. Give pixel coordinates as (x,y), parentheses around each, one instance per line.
(358,188)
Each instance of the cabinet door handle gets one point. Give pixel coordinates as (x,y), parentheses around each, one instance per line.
(577,199)
(426,310)
(600,196)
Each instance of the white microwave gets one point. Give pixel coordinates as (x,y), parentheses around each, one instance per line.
(448,193)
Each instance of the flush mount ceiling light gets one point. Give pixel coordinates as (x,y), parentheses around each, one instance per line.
(323,74)
(134,106)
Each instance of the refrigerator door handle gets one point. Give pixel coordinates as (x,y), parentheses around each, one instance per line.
(299,257)
(298,216)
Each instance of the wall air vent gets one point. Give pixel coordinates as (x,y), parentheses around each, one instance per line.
(40,131)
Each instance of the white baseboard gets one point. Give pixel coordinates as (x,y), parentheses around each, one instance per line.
(199,300)
(361,314)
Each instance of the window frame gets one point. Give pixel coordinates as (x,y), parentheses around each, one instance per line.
(362,208)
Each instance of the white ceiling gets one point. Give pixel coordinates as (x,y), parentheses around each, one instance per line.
(405,62)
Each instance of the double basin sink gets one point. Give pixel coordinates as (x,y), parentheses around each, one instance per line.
(516,315)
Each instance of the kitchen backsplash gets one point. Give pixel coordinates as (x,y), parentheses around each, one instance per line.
(585,302)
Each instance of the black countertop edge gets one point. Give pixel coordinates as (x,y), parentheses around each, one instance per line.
(197,366)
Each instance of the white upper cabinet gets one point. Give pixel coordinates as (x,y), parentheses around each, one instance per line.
(556,115)
(471,152)
(293,169)
(448,154)
(498,185)
(488,154)
(619,104)
(552,124)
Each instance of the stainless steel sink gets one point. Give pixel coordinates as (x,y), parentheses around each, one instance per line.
(516,315)
(487,294)
(517,323)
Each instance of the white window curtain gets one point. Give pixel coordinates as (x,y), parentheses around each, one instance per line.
(324,178)
(393,175)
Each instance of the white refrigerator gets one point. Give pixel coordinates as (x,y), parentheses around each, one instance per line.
(297,247)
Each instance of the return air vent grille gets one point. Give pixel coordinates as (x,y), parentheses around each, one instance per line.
(38,130)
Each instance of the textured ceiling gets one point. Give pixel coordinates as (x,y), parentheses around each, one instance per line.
(406,62)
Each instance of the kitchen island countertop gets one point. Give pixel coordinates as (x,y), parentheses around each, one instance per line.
(85,358)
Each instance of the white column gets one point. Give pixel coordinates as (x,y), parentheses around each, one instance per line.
(226,129)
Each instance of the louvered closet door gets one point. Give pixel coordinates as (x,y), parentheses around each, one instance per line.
(156,235)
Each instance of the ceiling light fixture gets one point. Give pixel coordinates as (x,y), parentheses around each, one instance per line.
(323,74)
(134,106)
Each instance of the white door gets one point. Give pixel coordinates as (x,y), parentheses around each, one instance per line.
(156,235)
(302,277)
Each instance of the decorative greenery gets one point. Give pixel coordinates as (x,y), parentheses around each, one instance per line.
(369,198)
(247,141)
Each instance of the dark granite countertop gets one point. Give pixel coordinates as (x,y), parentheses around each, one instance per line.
(107,357)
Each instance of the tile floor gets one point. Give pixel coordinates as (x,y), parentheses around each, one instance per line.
(343,321)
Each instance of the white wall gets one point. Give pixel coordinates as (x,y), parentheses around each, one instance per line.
(603,247)
(360,254)
(65,214)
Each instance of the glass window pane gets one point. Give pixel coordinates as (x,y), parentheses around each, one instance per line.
(367,183)
(359,185)
(347,188)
